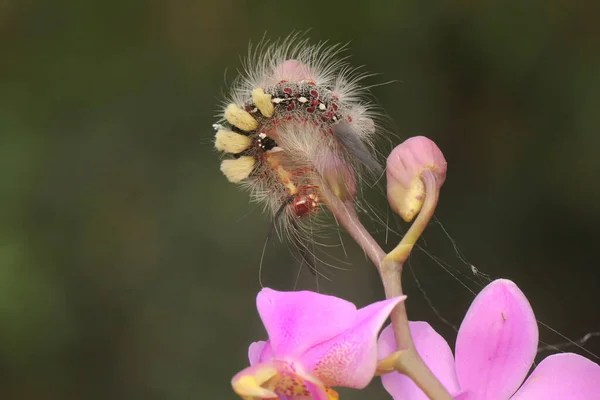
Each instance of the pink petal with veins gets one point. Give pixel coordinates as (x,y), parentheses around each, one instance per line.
(496,343)
(350,358)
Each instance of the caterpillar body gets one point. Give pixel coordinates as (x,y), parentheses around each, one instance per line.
(297,121)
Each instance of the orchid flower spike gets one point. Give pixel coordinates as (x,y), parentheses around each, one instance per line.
(405,164)
(315,342)
(495,349)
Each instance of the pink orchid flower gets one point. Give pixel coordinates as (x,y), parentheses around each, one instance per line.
(315,342)
(495,348)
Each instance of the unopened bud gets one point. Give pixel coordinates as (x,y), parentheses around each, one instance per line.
(405,189)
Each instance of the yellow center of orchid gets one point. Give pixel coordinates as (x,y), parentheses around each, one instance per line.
(268,381)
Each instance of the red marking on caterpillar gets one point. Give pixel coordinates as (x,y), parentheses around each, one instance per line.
(301,205)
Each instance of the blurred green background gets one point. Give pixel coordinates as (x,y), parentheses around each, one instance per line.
(129,265)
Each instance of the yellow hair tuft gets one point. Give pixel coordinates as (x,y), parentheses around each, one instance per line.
(231,142)
(236,116)
(262,101)
(239,169)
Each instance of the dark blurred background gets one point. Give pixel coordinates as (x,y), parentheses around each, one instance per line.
(129,265)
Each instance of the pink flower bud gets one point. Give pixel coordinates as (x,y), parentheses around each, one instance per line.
(405,189)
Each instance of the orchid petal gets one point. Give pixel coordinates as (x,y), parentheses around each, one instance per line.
(463,395)
(562,376)
(296,321)
(350,359)
(260,352)
(432,348)
(497,342)
(254,351)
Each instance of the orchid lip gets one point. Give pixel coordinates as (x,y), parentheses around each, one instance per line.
(272,379)
(248,386)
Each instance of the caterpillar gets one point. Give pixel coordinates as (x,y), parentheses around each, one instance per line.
(297,120)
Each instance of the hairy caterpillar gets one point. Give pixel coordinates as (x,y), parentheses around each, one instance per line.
(296,121)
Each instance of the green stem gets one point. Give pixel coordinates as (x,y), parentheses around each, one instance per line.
(407,360)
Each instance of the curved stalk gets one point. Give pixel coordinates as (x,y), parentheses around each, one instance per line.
(406,360)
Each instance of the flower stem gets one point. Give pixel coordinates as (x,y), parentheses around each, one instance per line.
(406,360)
(346,216)
(392,264)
